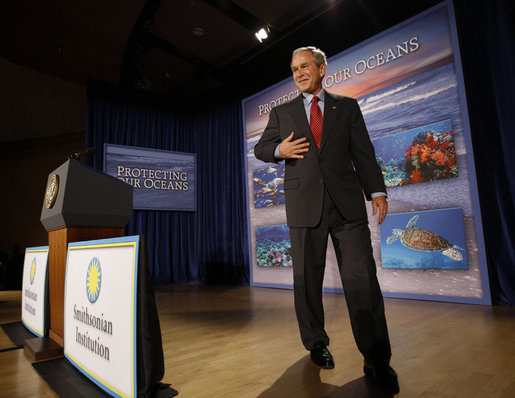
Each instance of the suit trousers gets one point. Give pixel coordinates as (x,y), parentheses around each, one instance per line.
(351,240)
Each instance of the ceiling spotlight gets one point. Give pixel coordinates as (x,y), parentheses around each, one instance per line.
(199,31)
(262,34)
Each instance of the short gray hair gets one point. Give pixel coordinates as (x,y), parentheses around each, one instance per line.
(318,55)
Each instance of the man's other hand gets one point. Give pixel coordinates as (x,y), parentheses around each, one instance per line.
(380,203)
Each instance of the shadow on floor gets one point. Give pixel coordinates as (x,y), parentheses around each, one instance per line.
(302,379)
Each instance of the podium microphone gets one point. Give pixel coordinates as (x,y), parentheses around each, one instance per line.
(88,152)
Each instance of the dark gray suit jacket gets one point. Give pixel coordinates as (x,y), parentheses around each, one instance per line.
(345,164)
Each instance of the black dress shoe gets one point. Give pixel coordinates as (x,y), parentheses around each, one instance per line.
(321,356)
(383,376)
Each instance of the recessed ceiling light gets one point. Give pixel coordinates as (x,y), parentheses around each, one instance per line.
(198,31)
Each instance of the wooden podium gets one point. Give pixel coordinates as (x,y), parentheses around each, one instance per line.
(81,203)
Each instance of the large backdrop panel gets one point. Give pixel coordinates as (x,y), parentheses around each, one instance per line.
(209,244)
(409,86)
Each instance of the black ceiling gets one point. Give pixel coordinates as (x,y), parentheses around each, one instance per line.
(152,45)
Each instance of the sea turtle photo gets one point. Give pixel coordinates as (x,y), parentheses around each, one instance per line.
(423,240)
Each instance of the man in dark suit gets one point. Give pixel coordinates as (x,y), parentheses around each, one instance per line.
(330,163)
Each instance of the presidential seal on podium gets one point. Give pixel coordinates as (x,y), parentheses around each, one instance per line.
(51,191)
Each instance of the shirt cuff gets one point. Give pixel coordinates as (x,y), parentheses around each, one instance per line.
(376,194)
(277,154)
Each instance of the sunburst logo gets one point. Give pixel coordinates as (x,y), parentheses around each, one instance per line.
(93,280)
(32,271)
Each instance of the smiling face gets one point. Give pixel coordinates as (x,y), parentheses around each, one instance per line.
(306,74)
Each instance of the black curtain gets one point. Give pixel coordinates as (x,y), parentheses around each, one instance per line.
(487,45)
(211,244)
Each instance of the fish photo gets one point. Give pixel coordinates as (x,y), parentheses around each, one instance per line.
(268,185)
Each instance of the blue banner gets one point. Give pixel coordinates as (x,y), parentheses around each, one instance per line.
(162,180)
